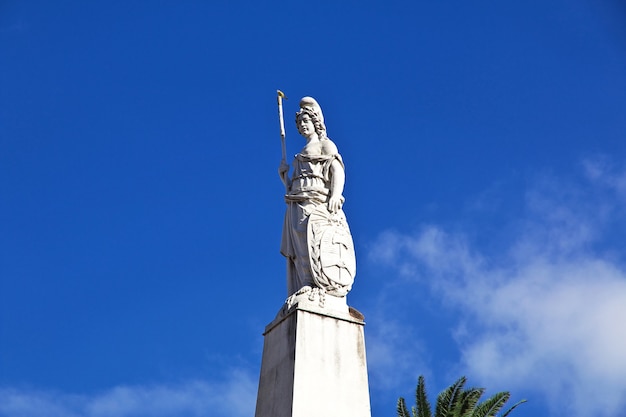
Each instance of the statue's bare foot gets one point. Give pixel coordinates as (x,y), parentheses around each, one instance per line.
(290,301)
(303,290)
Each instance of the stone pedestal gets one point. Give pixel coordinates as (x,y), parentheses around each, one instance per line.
(314,363)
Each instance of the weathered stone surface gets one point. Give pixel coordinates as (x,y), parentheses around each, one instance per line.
(314,363)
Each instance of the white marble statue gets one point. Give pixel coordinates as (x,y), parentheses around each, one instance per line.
(316,239)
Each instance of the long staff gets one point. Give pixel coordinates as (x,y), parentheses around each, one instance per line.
(280,98)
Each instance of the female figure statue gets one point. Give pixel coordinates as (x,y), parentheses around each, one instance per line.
(316,239)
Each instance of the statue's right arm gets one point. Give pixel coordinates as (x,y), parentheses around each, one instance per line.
(283,173)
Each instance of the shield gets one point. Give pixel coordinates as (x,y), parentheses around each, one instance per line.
(331,251)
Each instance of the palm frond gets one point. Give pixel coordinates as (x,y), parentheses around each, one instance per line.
(401,409)
(456,401)
(512,408)
(491,406)
(448,399)
(421,400)
(467,402)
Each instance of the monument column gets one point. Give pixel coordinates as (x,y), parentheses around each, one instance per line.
(314,364)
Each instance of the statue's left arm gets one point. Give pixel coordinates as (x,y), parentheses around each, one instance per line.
(337,182)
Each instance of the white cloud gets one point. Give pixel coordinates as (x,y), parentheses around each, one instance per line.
(393,346)
(233,397)
(603,171)
(545,312)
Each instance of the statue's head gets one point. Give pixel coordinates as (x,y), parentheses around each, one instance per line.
(310,107)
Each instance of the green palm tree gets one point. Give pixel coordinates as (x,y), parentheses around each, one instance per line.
(456,401)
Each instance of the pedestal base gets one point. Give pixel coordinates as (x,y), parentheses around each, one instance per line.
(314,364)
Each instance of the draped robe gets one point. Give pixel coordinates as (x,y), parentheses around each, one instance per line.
(308,194)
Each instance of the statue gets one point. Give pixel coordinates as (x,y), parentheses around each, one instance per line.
(316,239)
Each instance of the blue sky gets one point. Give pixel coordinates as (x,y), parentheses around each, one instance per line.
(141,208)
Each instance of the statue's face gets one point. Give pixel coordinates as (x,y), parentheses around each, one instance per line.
(306,126)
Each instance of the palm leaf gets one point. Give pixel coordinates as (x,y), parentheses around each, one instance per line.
(401,409)
(512,408)
(455,401)
(447,401)
(421,400)
(491,406)
(467,402)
